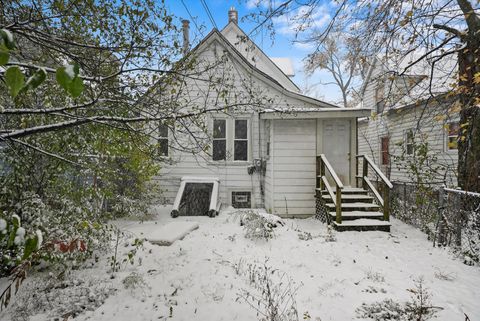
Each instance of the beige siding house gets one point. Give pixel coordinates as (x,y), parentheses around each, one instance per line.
(411,115)
(259,137)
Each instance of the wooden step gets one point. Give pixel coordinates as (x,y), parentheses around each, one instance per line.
(357,206)
(362,225)
(353,215)
(352,198)
(347,190)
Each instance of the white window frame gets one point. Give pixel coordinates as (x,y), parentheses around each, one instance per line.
(226,138)
(447,136)
(230,139)
(167,138)
(235,139)
(238,189)
(407,143)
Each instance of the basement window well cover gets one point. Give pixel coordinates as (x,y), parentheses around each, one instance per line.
(196,199)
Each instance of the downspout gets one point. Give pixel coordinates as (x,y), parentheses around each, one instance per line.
(261,176)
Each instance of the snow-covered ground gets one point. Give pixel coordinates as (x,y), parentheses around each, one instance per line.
(207,275)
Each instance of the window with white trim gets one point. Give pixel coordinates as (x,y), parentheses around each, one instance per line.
(219,139)
(240,142)
(452,130)
(162,139)
(230,139)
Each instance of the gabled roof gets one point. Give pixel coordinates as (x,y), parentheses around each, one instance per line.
(216,35)
(413,79)
(254,54)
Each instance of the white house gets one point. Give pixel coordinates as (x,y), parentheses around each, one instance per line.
(262,139)
(411,114)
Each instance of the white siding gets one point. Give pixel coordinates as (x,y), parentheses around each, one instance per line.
(293,148)
(426,122)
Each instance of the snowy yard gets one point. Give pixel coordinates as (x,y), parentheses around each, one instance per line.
(206,276)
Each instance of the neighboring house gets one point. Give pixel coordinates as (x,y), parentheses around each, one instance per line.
(263,146)
(413,124)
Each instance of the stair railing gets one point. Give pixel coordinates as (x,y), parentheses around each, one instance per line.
(323,165)
(367,184)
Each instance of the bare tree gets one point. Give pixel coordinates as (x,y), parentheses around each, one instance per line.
(435,29)
(341,56)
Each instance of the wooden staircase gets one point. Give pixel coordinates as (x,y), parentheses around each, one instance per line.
(354,208)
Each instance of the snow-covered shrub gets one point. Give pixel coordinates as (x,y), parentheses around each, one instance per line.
(134,281)
(418,308)
(59,298)
(17,242)
(330,235)
(304,236)
(257,226)
(54,232)
(272,293)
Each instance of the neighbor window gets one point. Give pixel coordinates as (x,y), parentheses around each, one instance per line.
(409,142)
(240,143)
(220,139)
(452,135)
(163,139)
(384,151)
(380,97)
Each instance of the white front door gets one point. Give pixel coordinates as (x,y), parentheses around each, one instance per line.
(336,146)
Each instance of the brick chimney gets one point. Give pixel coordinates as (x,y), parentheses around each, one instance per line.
(186,36)
(233,15)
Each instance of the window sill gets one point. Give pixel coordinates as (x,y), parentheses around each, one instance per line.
(229,163)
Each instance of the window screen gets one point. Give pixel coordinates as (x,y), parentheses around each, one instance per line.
(219,139)
(162,139)
(240,144)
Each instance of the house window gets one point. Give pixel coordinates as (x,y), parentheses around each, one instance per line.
(384,151)
(162,139)
(219,139)
(242,199)
(452,135)
(379,98)
(240,143)
(409,141)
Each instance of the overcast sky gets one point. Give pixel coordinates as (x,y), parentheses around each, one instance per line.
(283,45)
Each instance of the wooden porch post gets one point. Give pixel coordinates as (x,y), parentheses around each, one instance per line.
(339,206)
(364,172)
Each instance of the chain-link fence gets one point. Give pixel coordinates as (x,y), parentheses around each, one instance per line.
(450,217)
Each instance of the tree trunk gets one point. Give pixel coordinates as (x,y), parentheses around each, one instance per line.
(469,135)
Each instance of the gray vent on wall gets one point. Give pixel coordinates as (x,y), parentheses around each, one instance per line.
(242,199)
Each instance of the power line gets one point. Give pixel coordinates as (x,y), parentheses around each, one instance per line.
(191,17)
(209,14)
